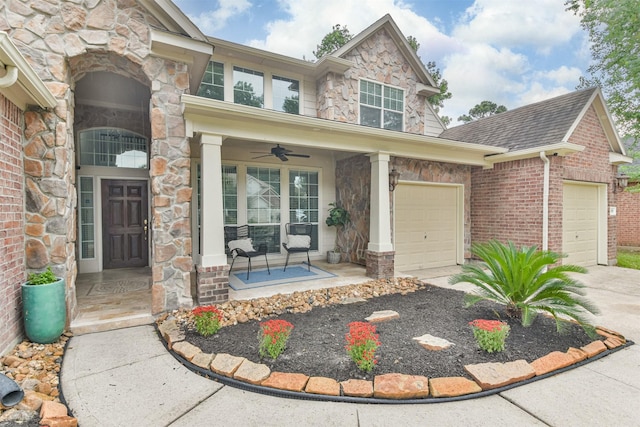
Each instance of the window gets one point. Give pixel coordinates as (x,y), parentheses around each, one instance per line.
(87,226)
(230,194)
(381,106)
(263,206)
(286,95)
(113,147)
(212,85)
(248,87)
(303,200)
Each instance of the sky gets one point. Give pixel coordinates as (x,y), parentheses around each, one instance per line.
(511,52)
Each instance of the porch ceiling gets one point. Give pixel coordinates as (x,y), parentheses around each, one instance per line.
(236,121)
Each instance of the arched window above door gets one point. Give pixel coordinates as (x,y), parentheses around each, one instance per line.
(113,147)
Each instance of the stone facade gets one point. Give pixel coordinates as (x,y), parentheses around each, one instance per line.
(11,224)
(63,41)
(378,59)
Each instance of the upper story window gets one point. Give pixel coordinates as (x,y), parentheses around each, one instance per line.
(381,106)
(286,95)
(248,87)
(212,85)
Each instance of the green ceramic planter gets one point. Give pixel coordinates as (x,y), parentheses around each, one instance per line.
(44,311)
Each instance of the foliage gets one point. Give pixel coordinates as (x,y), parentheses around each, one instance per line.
(207,319)
(490,334)
(338,37)
(629,259)
(613,27)
(362,343)
(524,281)
(273,337)
(436,101)
(484,109)
(243,93)
(338,217)
(42,278)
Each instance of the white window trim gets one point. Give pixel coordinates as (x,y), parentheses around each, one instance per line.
(382,109)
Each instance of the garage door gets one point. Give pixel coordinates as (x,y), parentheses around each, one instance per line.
(580,224)
(426,224)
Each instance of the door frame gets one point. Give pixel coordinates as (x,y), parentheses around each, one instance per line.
(602,220)
(99,173)
(459,188)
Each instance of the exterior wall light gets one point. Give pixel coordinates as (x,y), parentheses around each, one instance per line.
(394,175)
(621,182)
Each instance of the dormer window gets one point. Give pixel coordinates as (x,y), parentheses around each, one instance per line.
(381,106)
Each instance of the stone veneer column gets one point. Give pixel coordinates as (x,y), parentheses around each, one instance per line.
(213,271)
(380,253)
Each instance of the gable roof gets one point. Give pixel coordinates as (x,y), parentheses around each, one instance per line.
(427,84)
(536,126)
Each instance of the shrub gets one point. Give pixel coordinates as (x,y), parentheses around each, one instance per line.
(490,334)
(524,282)
(207,319)
(273,337)
(362,343)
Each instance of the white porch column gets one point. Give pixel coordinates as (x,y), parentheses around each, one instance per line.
(380,222)
(212,217)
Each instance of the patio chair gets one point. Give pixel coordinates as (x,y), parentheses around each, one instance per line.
(240,245)
(298,241)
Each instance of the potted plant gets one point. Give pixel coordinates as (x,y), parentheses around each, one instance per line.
(44,310)
(337,217)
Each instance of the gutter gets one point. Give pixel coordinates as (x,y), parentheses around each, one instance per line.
(545,203)
(10,77)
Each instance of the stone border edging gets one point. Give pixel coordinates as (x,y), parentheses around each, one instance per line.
(410,386)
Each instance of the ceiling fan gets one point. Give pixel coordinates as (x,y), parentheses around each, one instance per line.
(281,153)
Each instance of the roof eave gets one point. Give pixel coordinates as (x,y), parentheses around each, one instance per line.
(558,149)
(211,116)
(179,48)
(173,18)
(28,89)
(619,159)
(395,33)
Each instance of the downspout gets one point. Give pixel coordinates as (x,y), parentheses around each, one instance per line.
(10,77)
(545,203)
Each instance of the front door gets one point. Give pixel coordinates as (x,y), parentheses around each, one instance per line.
(124,223)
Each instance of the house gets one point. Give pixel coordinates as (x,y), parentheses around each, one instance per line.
(142,138)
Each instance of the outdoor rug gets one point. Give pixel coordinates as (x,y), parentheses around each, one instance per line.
(259,277)
(118,287)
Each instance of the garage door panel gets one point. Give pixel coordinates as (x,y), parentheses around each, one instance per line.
(425,226)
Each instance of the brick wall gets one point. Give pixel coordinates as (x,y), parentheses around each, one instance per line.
(506,202)
(628,223)
(12,266)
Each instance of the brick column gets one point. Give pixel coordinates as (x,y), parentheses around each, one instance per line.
(213,284)
(380,265)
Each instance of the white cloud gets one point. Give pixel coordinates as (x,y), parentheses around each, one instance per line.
(563,75)
(537,92)
(211,21)
(540,24)
(307,24)
(482,73)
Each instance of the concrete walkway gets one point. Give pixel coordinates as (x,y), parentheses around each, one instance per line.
(127,378)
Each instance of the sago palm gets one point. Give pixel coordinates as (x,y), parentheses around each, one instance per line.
(524,281)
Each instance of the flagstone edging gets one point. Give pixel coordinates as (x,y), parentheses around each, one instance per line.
(488,378)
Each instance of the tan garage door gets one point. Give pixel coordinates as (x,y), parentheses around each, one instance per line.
(426,223)
(580,224)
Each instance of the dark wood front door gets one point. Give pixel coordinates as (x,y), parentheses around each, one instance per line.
(124,223)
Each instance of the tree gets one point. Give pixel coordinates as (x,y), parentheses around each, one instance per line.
(614,32)
(338,37)
(484,109)
(436,101)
